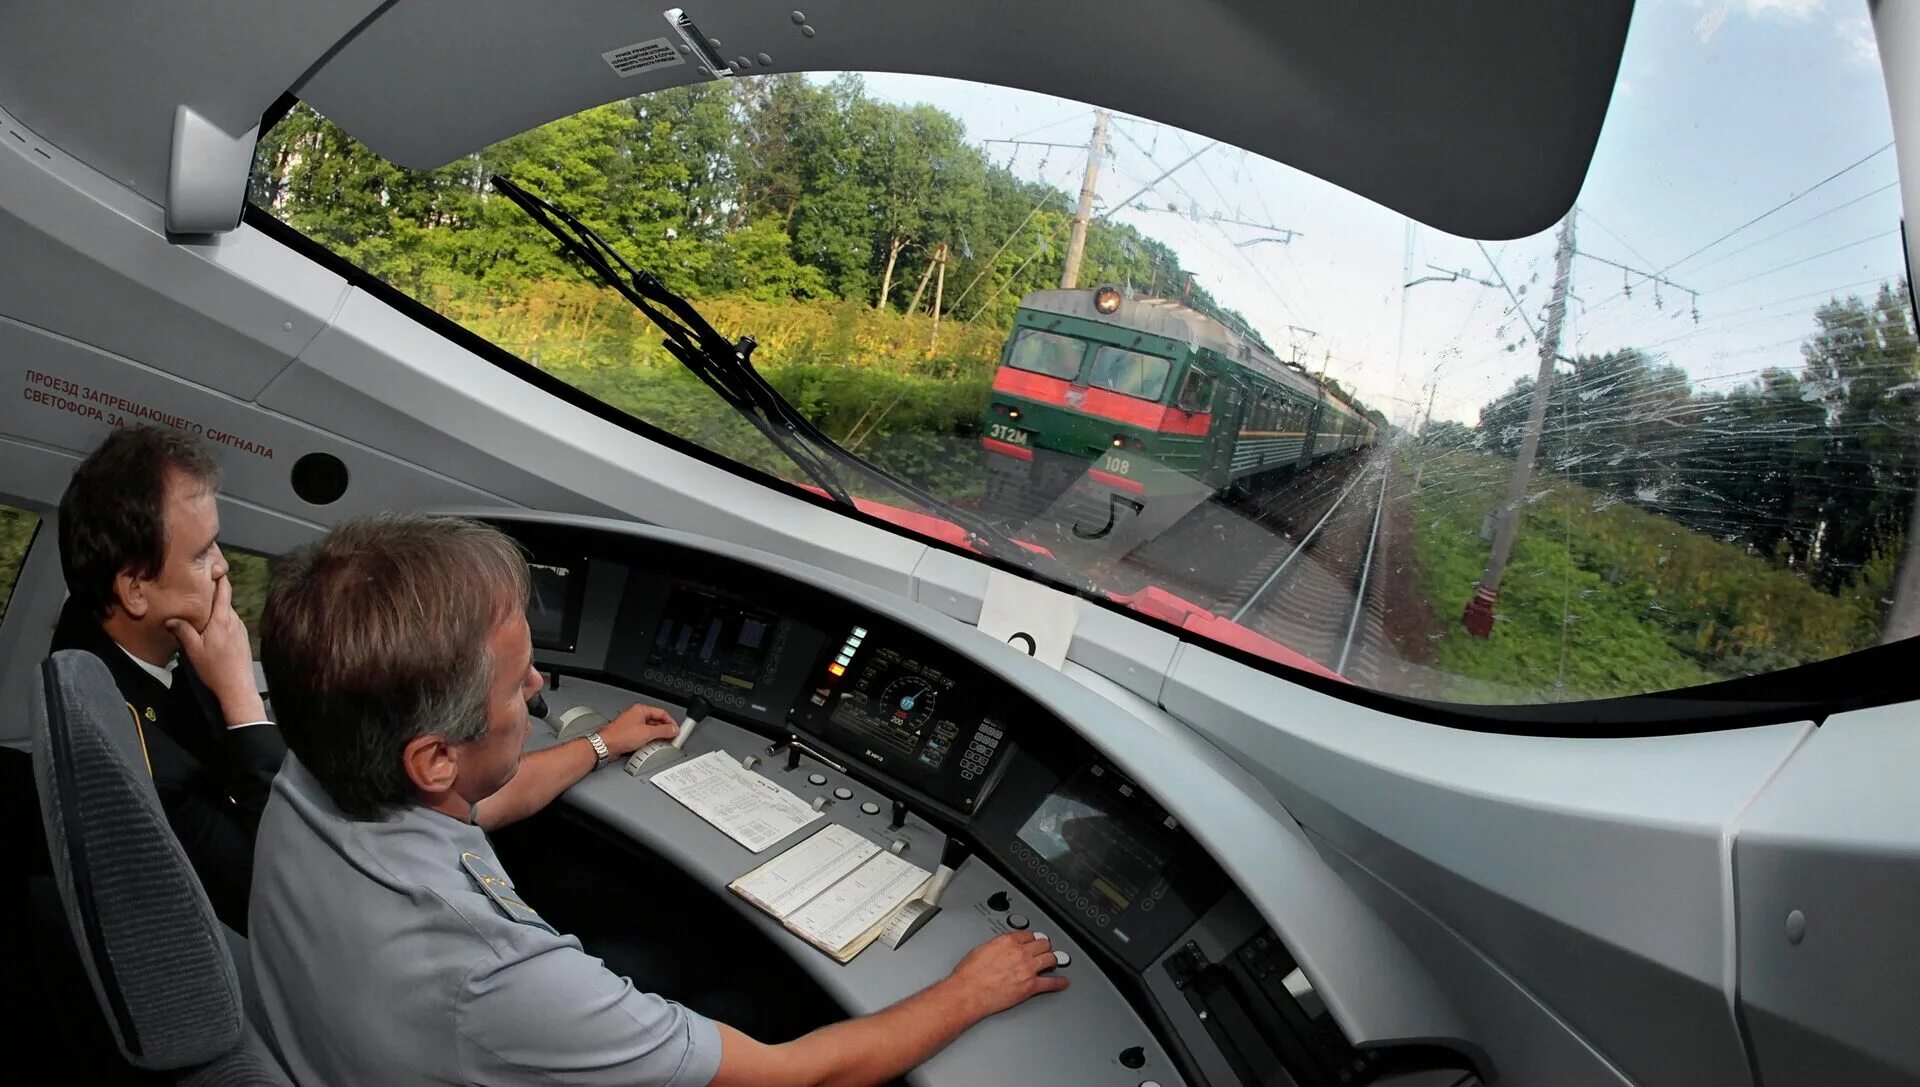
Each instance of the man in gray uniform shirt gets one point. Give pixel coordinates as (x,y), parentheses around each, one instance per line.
(388,944)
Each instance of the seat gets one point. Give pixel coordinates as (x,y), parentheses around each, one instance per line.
(161,965)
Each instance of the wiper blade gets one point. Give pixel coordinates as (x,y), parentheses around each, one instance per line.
(727,368)
(722,364)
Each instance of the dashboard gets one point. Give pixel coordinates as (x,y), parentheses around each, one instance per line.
(1019,800)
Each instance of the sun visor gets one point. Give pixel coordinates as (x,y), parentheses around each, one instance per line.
(1477,118)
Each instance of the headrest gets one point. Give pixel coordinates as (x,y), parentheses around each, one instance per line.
(154,951)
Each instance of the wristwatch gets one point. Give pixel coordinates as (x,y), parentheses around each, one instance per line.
(600,752)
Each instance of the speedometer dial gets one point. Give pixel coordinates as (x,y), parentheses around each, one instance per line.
(908,700)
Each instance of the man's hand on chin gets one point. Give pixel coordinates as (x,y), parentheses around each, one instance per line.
(221,656)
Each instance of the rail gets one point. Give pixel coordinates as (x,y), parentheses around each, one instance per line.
(1253,599)
(1366,568)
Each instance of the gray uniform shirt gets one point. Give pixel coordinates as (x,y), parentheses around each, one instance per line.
(398,952)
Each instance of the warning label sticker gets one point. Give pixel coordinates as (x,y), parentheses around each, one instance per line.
(642,57)
(98,405)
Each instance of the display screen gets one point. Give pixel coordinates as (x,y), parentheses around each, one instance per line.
(553,605)
(894,707)
(1098,851)
(711,638)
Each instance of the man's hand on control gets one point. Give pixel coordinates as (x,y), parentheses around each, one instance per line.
(221,656)
(636,727)
(1005,971)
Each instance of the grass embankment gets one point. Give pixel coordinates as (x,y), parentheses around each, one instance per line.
(878,383)
(1601,598)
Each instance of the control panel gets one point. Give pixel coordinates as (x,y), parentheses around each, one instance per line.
(895,702)
(878,726)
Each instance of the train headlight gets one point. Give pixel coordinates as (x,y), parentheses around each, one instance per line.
(1106,300)
(1119,441)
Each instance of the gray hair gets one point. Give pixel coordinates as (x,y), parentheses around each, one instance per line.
(377,634)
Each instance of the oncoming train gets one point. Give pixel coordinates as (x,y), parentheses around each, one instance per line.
(1149,390)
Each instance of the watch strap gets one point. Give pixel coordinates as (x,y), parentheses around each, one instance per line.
(600,752)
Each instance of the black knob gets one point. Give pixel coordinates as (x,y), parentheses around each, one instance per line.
(793,758)
(698,709)
(899,815)
(998,901)
(537,706)
(1133,1057)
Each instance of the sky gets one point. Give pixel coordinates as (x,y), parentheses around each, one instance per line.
(1723,110)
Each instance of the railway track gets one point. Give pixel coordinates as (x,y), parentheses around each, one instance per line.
(1297,562)
(1319,595)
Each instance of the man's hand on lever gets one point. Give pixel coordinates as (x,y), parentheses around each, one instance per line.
(546,774)
(222,658)
(880,1047)
(637,726)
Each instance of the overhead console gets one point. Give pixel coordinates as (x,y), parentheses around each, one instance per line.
(823,694)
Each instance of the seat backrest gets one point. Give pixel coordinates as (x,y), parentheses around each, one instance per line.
(154,952)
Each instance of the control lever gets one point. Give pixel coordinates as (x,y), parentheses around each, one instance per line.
(537,706)
(913,916)
(662,753)
(574,723)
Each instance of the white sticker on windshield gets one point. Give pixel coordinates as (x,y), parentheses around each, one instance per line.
(643,57)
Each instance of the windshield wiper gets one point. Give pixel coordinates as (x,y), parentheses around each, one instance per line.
(726,366)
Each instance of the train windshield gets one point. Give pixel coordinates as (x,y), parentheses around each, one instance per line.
(1671,439)
(1129,372)
(1045,353)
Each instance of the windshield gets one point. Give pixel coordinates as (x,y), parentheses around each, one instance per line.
(1046,353)
(1671,440)
(1129,372)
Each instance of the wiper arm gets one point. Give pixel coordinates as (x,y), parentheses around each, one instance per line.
(727,368)
(723,365)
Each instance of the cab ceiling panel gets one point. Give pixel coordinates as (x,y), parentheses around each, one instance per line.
(1478,117)
(102,78)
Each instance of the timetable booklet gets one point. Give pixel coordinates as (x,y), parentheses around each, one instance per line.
(836,890)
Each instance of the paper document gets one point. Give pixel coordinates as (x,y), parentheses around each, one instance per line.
(743,805)
(848,915)
(796,877)
(836,890)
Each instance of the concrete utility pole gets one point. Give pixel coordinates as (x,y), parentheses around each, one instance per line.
(1077,242)
(1478,617)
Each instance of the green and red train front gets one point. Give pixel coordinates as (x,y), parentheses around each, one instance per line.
(1074,397)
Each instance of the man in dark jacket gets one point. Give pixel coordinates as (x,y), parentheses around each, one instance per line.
(148,594)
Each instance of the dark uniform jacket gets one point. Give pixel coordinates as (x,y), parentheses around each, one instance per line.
(213,781)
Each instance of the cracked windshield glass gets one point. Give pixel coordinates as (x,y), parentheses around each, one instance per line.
(1670,440)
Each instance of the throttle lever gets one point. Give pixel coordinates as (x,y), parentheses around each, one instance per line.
(661,753)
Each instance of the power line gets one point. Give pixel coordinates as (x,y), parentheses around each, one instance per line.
(1611,233)
(1798,225)
(1777,207)
(1803,260)
(1042,128)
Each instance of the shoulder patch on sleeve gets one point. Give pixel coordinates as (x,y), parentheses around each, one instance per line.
(496,887)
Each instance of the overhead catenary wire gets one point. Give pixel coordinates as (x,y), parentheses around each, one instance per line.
(1782,205)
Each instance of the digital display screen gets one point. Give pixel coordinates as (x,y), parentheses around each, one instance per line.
(1101,853)
(894,707)
(711,638)
(552,616)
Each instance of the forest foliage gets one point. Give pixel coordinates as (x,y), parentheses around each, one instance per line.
(1813,470)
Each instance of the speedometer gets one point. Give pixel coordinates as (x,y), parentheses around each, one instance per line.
(909,701)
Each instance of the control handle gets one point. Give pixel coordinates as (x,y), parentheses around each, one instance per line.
(577,721)
(662,753)
(697,711)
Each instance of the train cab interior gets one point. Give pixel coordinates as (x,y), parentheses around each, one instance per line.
(637,286)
